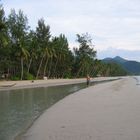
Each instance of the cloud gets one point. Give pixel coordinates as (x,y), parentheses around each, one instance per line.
(112,23)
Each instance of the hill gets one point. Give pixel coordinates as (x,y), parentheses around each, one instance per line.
(132,67)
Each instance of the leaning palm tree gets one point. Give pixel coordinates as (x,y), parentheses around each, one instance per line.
(40,64)
(43,36)
(32,49)
(60,45)
(52,55)
(24,54)
(47,55)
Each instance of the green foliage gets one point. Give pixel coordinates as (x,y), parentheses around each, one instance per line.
(112,69)
(15,78)
(28,76)
(43,33)
(84,56)
(18,27)
(3,29)
(43,43)
(28,54)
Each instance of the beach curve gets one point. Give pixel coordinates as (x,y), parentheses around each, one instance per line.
(106,111)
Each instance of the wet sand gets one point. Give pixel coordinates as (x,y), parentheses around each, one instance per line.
(108,111)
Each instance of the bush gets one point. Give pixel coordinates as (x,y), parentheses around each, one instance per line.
(28,76)
(15,78)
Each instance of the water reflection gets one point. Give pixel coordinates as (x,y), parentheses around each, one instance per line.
(18,108)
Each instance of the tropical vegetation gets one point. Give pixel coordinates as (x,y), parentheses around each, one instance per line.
(34,54)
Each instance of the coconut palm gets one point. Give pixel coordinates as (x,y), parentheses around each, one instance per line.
(17,25)
(43,37)
(60,44)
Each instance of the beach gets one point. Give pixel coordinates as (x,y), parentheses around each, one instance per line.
(107,111)
(11,85)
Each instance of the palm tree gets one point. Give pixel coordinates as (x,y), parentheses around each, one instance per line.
(32,47)
(47,54)
(43,37)
(24,54)
(52,55)
(62,53)
(17,25)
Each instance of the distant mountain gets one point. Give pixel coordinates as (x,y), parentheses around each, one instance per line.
(116,59)
(132,67)
(119,59)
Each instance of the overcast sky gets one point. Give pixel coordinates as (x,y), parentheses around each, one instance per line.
(114,25)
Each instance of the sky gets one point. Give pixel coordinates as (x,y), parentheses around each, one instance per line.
(114,25)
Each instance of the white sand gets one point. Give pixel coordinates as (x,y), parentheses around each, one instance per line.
(108,111)
(9,85)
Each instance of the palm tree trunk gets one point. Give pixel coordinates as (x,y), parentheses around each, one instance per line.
(21,68)
(39,67)
(50,68)
(29,65)
(45,67)
(92,70)
(80,70)
(55,66)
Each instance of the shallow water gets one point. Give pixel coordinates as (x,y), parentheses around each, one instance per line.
(19,108)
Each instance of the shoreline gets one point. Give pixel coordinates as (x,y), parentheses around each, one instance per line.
(106,114)
(13,85)
(6,85)
(97,80)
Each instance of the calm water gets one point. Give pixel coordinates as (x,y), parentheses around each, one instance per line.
(18,108)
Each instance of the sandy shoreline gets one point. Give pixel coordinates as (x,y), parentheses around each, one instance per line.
(11,85)
(108,111)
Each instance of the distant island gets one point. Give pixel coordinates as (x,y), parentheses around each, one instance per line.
(132,67)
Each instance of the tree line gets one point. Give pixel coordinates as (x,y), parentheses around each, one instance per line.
(34,54)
